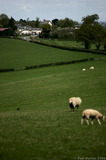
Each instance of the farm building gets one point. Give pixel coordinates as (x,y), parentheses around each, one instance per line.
(3,32)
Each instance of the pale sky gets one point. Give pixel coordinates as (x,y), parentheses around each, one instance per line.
(51,9)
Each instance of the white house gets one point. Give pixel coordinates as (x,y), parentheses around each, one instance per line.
(46,22)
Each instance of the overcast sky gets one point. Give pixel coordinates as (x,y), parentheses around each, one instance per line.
(51,9)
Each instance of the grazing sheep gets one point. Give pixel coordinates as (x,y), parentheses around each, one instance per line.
(83,69)
(74,102)
(91,68)
(93,114)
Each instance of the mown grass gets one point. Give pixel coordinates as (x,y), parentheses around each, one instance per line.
(68,43)
(19,54)
(44,128)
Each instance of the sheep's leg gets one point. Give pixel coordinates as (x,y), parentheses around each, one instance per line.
(82,120)
(77,107)
(87,121)
(71,106)
(92,122)
(99,121)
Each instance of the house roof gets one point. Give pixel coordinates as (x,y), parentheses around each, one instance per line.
(3,29)
(46,22)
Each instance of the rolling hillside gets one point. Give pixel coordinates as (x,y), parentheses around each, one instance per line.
(36,122)
(19,54)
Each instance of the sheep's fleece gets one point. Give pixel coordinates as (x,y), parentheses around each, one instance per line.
(74,102)
(93,114)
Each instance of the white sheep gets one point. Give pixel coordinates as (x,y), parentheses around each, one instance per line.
(83,69)
(93,114)
(91,68)
(74,102)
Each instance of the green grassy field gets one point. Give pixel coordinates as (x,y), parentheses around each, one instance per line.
(45,128)
(19,54)
(68,43)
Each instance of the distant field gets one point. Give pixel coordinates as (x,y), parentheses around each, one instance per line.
(63,43)
(68,43)
(19,54)
(44,128)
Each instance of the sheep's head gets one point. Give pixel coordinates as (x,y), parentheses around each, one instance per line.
(103,118)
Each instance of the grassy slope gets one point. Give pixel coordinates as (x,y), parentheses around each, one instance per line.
(68,43)
(18,54)
(44,127)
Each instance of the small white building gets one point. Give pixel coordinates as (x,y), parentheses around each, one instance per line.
(26,32)
(46,22)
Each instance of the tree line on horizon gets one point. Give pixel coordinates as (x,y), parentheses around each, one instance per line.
(90,31)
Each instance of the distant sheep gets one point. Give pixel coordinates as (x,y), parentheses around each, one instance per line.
(74,102)
(93,114)
(91,68)
(83,69)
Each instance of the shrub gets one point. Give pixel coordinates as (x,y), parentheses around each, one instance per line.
(7,70)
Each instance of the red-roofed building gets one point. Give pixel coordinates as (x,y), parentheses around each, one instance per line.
(3,31)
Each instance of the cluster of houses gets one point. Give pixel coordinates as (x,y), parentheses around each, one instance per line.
(28,30)
(25,30)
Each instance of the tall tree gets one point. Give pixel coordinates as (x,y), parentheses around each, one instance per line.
(90,19)
(37,22)
(54,21)
(99,35)
(4,20)
(90,31)
(62,23)
(23,22)
(46,28)
(104,44)
(11,25)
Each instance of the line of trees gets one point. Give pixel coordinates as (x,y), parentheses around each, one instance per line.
(32,23)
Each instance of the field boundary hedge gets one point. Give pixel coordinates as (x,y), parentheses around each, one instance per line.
(58,63)
(47,65)
(69,48)
(7,70)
